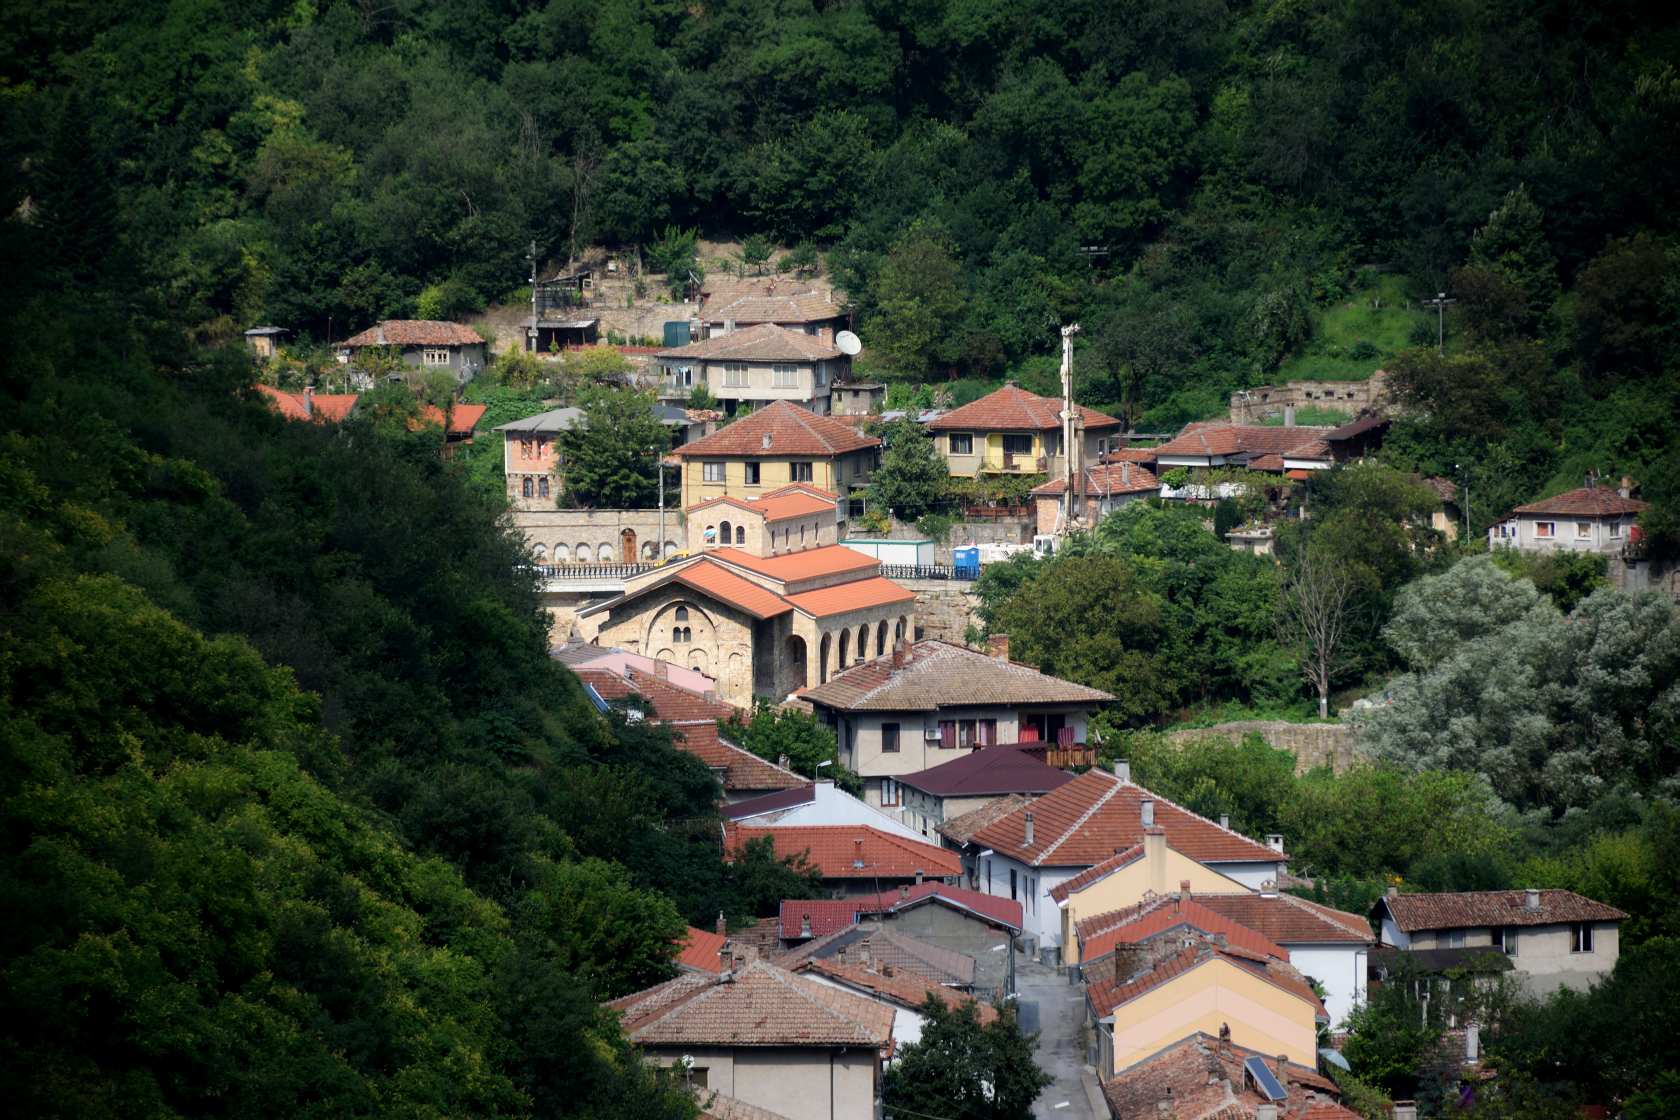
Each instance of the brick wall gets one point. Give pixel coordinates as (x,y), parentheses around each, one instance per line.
(1314,744)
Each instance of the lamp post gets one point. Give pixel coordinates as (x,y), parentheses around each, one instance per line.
(1439,303)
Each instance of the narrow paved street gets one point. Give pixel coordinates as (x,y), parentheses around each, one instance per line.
(1051,1005)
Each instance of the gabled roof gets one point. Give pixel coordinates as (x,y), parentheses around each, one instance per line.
(550,422)
(463,418)
(938,673)
(1289,919)
(700,950)
(756,1005)
(1097,872)
(414,332)
(836,848)
(1100,934)
(765,342)
(988,907)
(958,830)
(859,594)
(1114,478)
(905,989)
(1130,455)
(1084,821)
(815,917)
(810,306)
(1014,409)
(792,432)
(717,581)
(1206,1082)
(321,407)
(770,803)
(1105,997)
(826,560)
(992,770)
(880,945)
(777,505)
(1589,501)
(1220,439)
(1413,912)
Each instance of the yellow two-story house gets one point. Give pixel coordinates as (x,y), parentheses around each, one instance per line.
(755,366)
(1013,431)
(773,447)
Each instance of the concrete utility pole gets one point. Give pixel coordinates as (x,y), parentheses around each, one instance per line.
(1439,303)
(1073,442)
(659,547)
(531,335)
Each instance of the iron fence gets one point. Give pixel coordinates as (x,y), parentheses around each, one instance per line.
(928,571)
(592,571)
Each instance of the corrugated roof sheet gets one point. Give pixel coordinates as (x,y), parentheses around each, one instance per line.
(792,431)
(770,803)
(1014,409)
(834,849)
(415,332)
(1589,501)
(764,342)
(1084,821)
(756,1005)
(994,770)
(939,673)
(1413,912)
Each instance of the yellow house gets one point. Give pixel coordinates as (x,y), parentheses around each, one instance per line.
(1201,989)
(778,445)
(1013,431)
(1123,880)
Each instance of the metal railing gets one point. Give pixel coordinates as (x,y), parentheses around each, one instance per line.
(592,571)
(929,571)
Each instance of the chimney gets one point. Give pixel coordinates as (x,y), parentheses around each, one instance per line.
(1130,959)
(1224,820)
(1011,384)
(886,969)
(1405,1110)
(998,646)
(1393,892)
(1274,841)
(1531,899)
(1155,858)
(857,853)
(380,337)
(1123,769)
(898,655)
(1281,1067)
(826,334)
(918,879)
(722,924)
(661,669)
(903,891)
(1289,416)
(308,401)
(782,761)
(805,925)
(1267,1111)
(1184,887)
(1027,843)
(1626,489)
(1146,809)
(1472,1045)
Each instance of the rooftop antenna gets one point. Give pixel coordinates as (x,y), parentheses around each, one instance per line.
(1073,443)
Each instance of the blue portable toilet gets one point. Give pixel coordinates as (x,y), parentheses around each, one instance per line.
(966,561)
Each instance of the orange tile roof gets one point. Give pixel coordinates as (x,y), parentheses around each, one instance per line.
(1105,997)
(857,595)
(463,418)
(721,583)
(835,849)
(756,1005)
(1115,478)
(716,1106)
(1014,409)
(906,989)
(415,332)
(322,406)
(824,561)
(1130,455)
(763,342)
(1083,822)
(1589,501)
(778,505)
(959,829)
(792,431)
(1140,923)
(701,949)
(1287,919)
(1206,1080)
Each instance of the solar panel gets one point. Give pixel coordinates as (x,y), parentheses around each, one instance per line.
(1265,1081)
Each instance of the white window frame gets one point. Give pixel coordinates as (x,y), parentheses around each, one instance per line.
(432,356)
(784,375)
(1583,530)
(1545,530)
(713,472)
(735,375)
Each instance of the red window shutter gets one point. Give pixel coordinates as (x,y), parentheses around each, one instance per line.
(947,733)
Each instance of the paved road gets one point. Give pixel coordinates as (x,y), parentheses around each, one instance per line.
(1052,1005)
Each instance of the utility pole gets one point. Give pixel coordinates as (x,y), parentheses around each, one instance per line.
(1439,303)
(1073,493)
(659,548)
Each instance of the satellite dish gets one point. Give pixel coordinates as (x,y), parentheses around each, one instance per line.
(848,342)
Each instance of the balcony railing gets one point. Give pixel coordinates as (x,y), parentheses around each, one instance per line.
(928,571)
(592,571)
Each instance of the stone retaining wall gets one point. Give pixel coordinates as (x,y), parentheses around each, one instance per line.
(944,608)
(1314,744)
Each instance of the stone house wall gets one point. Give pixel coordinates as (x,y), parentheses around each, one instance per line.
(576,529)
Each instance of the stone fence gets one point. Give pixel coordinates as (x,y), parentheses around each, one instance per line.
(1314,744)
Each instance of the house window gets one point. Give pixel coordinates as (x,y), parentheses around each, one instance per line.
(740,534)
(799,472)
(987,729)
(1012,891)
(962,443)
(434,357)
(822,374)
(967,729)
(857,467)
(711,472)
(542,487)
(1545,529)
(891,793)
(784,376)
(1102,446)
(1505,939)
(681,634)
(947,733)
(988,876)
(735,375)
(1583,530)
(1582,939)
(528,488)
(752,474)
(700,1077)
(889,738)
(1455,939)
(1017,444)
(526,445)
(1615,528)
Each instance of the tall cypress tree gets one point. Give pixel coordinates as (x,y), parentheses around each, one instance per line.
(75,205)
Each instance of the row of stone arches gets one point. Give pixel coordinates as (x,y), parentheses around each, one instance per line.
(840,650)
(627,551)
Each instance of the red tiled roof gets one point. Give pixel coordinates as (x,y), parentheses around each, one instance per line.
(906,989)
(1115,478)
(1105,997)
(1015,409)
(1148,919)
(322,406)
(824,561)
(1130,455)
(992,908)
(676,703)
(834,849)
(1267,463)
(995,770)
(701,949)
(415,332)
(1413,912)
(792,431)
(1097,872)
(1206,1082)
(1227,439)
(721,583)
(777,505)
(937,673)
(463,418)
(1083,822)
(825,915)
(742,770)
(760,306)
(757,1005)
(1589,501)
(1287,919)
(857,595)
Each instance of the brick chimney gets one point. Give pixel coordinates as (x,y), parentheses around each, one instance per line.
(903,891)
(1184,887)
(857,853)
(1129,960)
(998,646)
(898,654)
(722,925)
(1626,488)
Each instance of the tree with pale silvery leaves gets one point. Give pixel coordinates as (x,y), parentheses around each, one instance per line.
(1553,710)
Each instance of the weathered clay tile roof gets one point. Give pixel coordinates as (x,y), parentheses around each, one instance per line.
(996,770)
(700,950)
(1085,821)
(414,332)
(1115,478)
(792,431)
(1218,439)
(1413,912)
(936,962)
(321,407)
(777,505)
(903,988)
(810,306)
(959,829)
(989,907)
(758,1004)
(827,560)
(835,848)
(1130,455)
(815,917)
(938,673)
(715,1106)
(1100,934)
(1205,1081)
(1014,409)
(765,342)
(1267,463)
(1288,919)
(1589,501)
(857,595)
(741,769)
